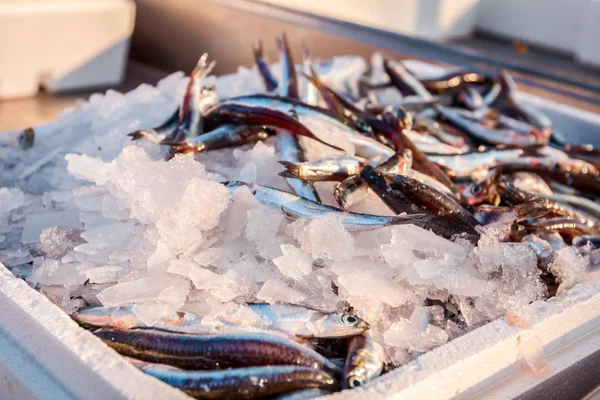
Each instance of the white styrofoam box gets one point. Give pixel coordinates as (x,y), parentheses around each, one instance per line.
(567,25)
(430,19)
(63,44)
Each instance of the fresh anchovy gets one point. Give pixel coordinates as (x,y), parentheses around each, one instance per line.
(295,207)
(452,138)
(289,318)
(244,114)
(543,250)
(190,112)
(26,138)
(591,207)
(427,180)
(562,225)
(364,361)
(487,214)
(482,135)
(263,67)
(289,150)
(464,164)
(580,182)
(202,352)
(223,137)
(240,383)
(454,80)
(431,144)
(399,203)
(353,189)
(288,87)
(304,111)
(431,199)
(586,240)
(405,81)
(553,207)
(334,168)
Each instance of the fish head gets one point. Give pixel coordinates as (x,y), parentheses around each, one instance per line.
(340,325)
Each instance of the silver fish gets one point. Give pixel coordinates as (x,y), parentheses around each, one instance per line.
(222,137)
(243,383)
(289,150)
(295,207)
(287,318)
(334,168)
(464,164)
(364,361)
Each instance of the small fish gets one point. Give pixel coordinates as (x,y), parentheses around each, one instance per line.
(191,109)
(482,135)
(222,137)
(205,352)
(529,182)
(26,138)
(453,80)
(332,101)
(431,199)
(263,68)
(304,111)
(405,81)
(589,206)
(288,318)
(364,361)
(488,215)
(295,207)
(334,168)
(288,87)
(243,114)
(563,225)
(289,150)
(483,191)
(311,94)
(240,383)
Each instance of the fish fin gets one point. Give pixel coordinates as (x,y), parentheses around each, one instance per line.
(258,49)
(139,134)
(180,147)
(148,134)
(531,209)
(292,170)
(415,219)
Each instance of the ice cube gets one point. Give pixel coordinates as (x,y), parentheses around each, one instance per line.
(294,263)
(58,241)
(36,223)
(274,290)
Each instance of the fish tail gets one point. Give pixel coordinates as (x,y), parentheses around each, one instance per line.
(139,134)
(535,208)
(292,170)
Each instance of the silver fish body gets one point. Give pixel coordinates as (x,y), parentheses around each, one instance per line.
(240,383)
(334,168)
(295,207)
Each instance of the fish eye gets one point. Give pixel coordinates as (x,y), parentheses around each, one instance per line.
(476,189)
(350,319)
(354,381)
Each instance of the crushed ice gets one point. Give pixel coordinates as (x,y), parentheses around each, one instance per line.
(86,216)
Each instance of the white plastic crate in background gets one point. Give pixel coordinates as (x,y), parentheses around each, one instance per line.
(63,44)
(570,26)
(429,19)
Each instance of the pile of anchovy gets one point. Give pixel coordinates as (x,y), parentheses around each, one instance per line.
(456,154)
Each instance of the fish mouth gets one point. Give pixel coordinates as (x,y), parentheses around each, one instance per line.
(363,325)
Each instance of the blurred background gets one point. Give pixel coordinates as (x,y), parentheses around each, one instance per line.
(56,52)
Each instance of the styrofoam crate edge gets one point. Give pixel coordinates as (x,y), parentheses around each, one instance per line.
(78,361)
(490,353)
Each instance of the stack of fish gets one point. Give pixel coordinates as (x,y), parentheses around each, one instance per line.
(276,355)
(454,154)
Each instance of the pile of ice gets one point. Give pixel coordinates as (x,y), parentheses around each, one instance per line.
(89,217)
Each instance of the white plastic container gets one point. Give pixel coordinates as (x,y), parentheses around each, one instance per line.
(45,355)
(570,26)
(63,44)
(429,19)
